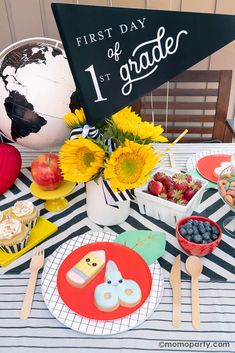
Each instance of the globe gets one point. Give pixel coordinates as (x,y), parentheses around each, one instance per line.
(36,91)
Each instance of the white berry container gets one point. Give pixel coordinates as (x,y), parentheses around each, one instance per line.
(164,210)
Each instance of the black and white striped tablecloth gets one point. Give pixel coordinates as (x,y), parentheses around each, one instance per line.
(74,221)
(42,333)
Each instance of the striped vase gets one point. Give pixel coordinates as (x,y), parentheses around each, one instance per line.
(99,211)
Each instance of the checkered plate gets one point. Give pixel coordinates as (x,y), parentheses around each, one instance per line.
(81,324)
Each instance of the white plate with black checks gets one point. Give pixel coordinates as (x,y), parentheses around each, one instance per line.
(79,323)
(192,161)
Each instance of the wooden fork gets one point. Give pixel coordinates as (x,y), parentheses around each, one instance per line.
(36,263)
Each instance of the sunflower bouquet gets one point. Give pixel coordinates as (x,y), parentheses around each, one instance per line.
(119,151)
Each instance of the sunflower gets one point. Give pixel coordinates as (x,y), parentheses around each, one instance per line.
(80,159)
(129,165)
(124,115)
(129,122)
(148,131)
(77,119)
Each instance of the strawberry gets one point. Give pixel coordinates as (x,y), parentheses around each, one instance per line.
(180,176)
(182,202)
(180,182)
(195,185)
(167,182)
(170,194)
(159,176)
(155,187)
(163,190)
(181,186)
(175,195)
(163,195)
(198,184)
(189,193)
(188,178)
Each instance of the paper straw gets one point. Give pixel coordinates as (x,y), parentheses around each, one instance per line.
(174,143)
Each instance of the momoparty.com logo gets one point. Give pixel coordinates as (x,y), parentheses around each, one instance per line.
(193,344)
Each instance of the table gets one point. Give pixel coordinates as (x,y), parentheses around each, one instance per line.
(42,333)
(74,221)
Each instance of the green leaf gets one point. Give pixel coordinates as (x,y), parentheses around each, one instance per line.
(148,244)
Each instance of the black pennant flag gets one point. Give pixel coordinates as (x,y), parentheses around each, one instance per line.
(117,55)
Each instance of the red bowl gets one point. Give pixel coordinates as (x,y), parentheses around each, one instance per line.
(194,248)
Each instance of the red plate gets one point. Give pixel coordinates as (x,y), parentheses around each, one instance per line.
(81,300)
(207,164)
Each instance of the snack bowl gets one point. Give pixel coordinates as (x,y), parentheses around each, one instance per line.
(197,249)
(165,210)
(226,188)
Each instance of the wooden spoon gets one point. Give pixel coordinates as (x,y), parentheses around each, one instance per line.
(194,268)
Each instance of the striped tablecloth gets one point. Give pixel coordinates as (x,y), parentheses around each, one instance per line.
(42,333)
(74,221)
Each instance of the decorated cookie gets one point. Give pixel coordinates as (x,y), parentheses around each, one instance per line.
(86,269)
(116,291)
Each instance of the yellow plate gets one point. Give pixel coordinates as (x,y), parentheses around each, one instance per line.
(55,199)
(40,232)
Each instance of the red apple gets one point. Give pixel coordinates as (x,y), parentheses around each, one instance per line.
(46,172)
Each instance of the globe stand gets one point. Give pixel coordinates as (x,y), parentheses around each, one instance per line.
(229,225)
(55,199)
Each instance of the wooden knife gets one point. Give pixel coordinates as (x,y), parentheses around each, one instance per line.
(175,281)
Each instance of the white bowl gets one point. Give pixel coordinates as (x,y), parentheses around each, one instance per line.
(164,210)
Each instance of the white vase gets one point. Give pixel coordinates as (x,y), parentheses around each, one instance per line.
(97,209)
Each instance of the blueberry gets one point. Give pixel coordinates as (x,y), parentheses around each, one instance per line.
(189,224)
(204,241)
(208,227)
(188,237)
(197,238)
(195,230)
(206,223)
(183,231)
(201,229)
(196,222)
(206,235)
(190,231)
(215,230)
(190,221)
(214,236)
